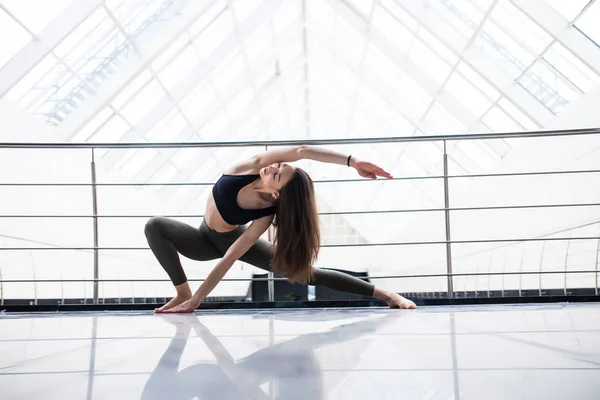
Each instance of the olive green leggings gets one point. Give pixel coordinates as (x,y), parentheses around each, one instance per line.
(168,237)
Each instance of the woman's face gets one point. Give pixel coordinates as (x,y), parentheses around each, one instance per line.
(276,176)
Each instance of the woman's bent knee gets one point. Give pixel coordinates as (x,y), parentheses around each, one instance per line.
(154,225)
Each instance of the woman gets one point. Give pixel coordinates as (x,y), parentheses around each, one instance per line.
(265,190)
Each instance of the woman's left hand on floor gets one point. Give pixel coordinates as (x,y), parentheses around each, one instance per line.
(188,306)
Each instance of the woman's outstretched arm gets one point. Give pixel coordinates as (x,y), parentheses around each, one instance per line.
(316,153)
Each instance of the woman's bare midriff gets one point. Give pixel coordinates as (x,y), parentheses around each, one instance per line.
(213,218)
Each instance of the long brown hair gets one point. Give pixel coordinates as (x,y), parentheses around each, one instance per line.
(297,236)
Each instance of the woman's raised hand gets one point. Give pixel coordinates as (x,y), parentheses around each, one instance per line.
(370,170)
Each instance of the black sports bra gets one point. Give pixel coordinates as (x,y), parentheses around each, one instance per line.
(225,194)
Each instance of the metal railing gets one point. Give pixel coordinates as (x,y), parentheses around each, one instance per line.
(447,209)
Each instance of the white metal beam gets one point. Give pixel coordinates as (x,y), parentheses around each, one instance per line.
(28,57)
(443,31)
(150,44)
(393,53)
(557,27)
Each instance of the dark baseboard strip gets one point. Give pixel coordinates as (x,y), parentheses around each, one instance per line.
(299,304)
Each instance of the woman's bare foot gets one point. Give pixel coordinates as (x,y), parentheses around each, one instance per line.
(184,293)
(394,300)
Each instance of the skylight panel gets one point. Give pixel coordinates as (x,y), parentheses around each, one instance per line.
(499,121)
(520,27)
(392,29)
(19,37)
(206,42)
(517,114)
(167,128)
(132,88)
(478,81)
(143,102)
(438,47)
(548,86)
(35,20)
(395,9)
(241,9)
(198,100)
(569,9)
(467,94)
(287,14)
(588,22)
(439,120)
(111,131)
(429,61)
(571,67)
(177,70)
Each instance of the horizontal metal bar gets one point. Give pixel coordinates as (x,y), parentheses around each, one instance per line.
(397,139)
(333,245)
(325,213)
(404,178)
(283,279)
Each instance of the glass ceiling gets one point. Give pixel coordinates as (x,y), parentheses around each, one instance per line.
(220,70)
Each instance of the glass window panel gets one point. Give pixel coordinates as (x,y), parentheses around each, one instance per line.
(19,37)
(111,131)
(499,121)
(44,87)
(164,175)
(178,69)
(548,86)
(287,14)
(142,14)
(170,52)
(362,6)
(382,66)
(239,102)
(130,90)
(476,152)
(520,27)
(321,14)
(35,21)
(137,162)
(467,8)
(241,9)
(568,9)
(392,29)
(33,79)
(467,94)
(93,125)
(214,129)
(81,33)
(439,120)
(456,18)
(257,44)
(507,53)
(517,114)
(197,101)
(228,72)
(394,8)
(476,79)
(143,102)
(571,67)
(438,47)
(213,11)
(169,127)
(213,36)
(420,99)
(430,62)
(588,22)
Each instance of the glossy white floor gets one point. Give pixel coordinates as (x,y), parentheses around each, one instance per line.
(468,352)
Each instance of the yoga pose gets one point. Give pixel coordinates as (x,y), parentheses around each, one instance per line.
(265,190)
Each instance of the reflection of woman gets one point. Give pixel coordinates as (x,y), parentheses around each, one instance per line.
(292,364)
(264,190)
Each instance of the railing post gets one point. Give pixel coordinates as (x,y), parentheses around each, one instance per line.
(447,213)
(270,275)
(95,225)
(596,275)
